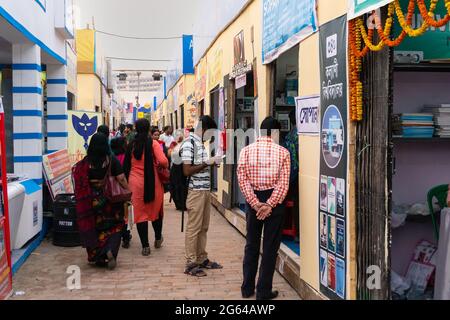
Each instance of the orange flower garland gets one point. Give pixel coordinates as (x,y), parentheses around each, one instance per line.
(428,15)
(358,35)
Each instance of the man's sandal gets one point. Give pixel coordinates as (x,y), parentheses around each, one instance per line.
(207,264)
(195,271)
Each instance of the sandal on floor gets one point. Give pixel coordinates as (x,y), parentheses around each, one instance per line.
(207,264)
(111,261)
(195,271)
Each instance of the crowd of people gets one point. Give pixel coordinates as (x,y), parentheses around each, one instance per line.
(133,164)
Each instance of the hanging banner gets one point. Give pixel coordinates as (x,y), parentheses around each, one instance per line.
(307,114)
(433,45)
(215,69)
(285,24)
(82,126)
(360,7)
(200,80)
(333,159)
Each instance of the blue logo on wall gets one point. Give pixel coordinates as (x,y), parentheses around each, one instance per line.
(85,127)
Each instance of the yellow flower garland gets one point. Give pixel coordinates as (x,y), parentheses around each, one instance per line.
(405,26)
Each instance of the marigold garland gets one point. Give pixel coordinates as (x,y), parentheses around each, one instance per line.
(358,35)
(428,14)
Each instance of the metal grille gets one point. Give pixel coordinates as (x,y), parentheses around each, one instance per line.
(373,176)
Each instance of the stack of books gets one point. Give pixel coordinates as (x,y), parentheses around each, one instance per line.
(441,115)
(413,125)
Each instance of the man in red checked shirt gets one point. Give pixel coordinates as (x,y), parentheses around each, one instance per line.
(263,174)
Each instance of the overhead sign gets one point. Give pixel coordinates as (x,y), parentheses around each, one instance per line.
(241,81)
(332,211)
(434,44)
(360,7)
(241,66)
(285,24)
(215,68)
(307,114)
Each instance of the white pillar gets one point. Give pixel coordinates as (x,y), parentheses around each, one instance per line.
(27,110)
(56,108)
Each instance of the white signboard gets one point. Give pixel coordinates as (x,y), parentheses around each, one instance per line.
(307,114)
(359,7)
(241,81)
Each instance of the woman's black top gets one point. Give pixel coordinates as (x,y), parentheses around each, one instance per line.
(99,173)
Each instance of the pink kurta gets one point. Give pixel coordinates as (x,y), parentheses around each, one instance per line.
(147,211)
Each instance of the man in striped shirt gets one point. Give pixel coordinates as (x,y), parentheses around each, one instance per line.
(263,174)
(196,166)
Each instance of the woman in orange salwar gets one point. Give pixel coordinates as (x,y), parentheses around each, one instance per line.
(141,160)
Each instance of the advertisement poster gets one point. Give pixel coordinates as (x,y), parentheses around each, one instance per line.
(57,172)
(215,68)
(331,272)
(331,234)
(333,149)
(324,193)
(307,113)
(323,267)
(331,195)
(82,126)
(340,238)
(285,24)
(340,278)
(323,230)
(360,7)
(340,197)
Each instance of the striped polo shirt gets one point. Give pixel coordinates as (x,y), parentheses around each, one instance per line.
(196,151)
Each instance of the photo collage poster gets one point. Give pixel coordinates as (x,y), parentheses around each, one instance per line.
(332,211)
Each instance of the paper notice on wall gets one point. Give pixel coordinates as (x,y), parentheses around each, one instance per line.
(307,115)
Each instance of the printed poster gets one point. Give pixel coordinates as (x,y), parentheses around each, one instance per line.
(323,267)
(340,278)
(331,272)
(324,193)
(331,234)
(285,24)
(307,115)
(82,126)
(333,154)
(340,197)
(340,238)
(331,195)
(323,230)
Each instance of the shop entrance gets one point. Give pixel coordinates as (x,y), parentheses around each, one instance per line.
(285,89)
(244,111)
(402,178)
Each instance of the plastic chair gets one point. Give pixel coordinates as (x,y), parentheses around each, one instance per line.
(440,193)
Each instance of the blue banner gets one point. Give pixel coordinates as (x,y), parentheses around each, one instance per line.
(285,24)
(188,54)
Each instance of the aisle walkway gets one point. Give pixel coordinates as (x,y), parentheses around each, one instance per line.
(159,276)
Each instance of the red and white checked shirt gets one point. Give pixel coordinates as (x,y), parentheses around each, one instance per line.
(264,165)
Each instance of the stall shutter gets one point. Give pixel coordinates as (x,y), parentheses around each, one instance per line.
(373,179)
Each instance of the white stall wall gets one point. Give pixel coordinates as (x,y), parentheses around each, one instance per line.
(39,24)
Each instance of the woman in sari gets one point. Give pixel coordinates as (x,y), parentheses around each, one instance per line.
(100,221)
(142,159)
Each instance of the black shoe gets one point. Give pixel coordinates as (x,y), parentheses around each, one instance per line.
(247,295)
(126,244)
(270,296)
(146,251)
